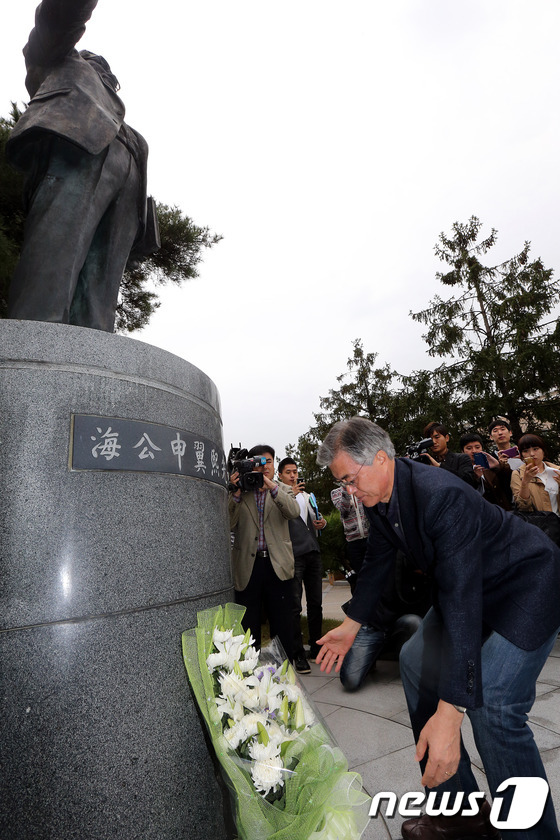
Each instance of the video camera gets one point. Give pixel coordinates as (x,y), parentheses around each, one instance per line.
(248,478)
(417,451)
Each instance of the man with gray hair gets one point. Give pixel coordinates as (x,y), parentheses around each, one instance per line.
(481,647)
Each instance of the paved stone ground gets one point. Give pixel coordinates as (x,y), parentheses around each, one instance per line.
(372,727)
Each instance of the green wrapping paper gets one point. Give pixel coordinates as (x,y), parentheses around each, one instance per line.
(314,797)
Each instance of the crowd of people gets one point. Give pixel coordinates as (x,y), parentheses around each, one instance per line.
(455,577)
(276,550)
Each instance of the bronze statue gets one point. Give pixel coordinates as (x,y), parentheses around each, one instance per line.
(85,188)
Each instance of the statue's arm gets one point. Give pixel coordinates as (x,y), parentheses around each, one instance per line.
(59,25)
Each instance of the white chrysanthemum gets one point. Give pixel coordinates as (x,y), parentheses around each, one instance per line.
(234,687)
(240,689)
(267,769)
(238,712)
(277,734)
(248,725)
(250,660)
(263,752)
(221,635)
(234,735)
(216,660)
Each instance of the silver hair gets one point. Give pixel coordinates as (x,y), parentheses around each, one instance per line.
(359,438)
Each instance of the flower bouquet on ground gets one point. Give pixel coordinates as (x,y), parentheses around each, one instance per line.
(287,777)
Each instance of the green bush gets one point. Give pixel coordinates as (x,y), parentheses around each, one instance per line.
(332,543)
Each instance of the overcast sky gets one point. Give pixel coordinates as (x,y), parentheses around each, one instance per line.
(329,143)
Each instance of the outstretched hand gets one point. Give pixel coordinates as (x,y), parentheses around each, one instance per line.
(441,738)
(336,644)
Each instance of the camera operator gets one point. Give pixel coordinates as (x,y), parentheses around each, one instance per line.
(262,556)
(440,456)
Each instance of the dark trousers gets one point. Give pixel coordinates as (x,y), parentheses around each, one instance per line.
(265,589)
(308,573)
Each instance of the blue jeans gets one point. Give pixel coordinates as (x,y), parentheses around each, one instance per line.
(370,643)
(501,732)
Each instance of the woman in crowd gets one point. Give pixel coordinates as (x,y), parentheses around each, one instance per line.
(535,485)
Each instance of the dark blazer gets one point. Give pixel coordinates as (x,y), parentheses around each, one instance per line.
(303,534)
(490,570)
(459,464)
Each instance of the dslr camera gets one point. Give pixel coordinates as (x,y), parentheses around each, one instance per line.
(248,478)
(417,451)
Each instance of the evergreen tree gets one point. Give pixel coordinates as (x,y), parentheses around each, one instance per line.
(11,211)
(498,338)
(498,334)
(364,390)
(182,244)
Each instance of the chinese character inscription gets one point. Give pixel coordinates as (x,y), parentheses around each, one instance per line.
(108,443)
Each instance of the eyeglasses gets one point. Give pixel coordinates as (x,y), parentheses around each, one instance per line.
(352,482)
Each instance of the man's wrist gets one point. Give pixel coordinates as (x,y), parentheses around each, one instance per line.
(445,707)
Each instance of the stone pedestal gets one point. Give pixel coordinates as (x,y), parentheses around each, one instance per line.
(101,569)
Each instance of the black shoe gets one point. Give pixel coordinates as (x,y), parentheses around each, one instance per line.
(302,665)
(452,828)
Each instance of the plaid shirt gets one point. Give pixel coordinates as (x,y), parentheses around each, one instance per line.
(260,498)
(356,526)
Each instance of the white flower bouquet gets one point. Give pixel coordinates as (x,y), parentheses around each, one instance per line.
(287,777)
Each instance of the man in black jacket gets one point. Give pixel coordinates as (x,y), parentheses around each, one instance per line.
(85,190)
(440,456)
(308,569)
(480,649)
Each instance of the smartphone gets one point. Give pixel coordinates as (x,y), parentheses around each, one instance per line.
(511,453)
(481,460)
(529,461)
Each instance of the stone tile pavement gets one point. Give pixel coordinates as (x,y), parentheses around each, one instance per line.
(372,727)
